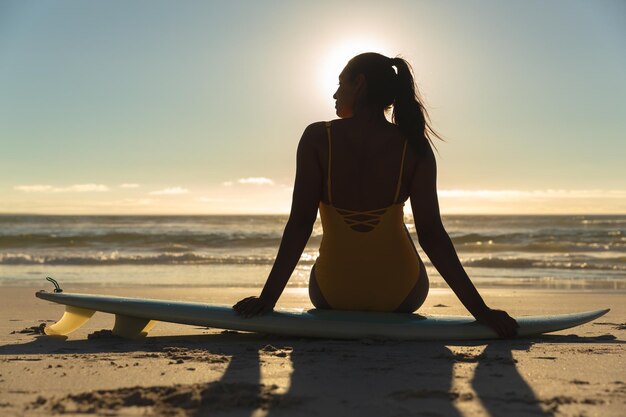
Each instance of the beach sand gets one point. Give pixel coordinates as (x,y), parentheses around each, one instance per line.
(187,371)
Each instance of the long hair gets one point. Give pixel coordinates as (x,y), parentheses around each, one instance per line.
(386,88)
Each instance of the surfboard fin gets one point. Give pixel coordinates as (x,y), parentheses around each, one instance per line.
(72,319)
(132,327)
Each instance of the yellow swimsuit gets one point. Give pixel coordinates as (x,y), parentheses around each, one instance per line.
(368,271)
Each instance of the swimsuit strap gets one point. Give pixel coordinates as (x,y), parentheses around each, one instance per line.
(400,175)
(329,194)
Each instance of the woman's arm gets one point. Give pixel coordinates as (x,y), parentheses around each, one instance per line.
(306,197)
(435,241)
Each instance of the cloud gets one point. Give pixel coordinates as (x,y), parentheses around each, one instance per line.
(82,188)
(519,194)
(481,193)
(126,202)
(76,188)
(34,188)
(170,191)
(211,199)
(256,181)
(250,181)
(126,185)
(542,201)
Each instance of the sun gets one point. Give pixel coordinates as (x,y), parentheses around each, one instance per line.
(339,55)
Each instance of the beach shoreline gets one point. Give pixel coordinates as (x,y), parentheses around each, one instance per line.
(187,370)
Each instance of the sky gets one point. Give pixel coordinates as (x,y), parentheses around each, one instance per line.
(196,107)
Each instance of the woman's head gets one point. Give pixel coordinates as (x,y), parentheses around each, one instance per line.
(376,82)
(368,80)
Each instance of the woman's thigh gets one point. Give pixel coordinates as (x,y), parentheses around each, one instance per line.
(315,294)
(418,293)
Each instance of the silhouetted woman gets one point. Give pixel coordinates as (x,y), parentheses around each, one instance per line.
(358,171)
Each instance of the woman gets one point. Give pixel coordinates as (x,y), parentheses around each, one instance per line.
(349,168)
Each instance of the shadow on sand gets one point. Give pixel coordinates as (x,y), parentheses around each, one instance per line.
(366,378)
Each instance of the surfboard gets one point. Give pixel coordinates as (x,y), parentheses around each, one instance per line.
(134,317)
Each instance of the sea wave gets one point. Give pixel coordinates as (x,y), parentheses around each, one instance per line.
(133,240)
(115,258)
(184,241)
(543,247)
(604,264)
(612,263)
(604,221)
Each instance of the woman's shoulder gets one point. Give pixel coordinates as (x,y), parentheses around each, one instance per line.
(320,126)
(312,137)
(316,131)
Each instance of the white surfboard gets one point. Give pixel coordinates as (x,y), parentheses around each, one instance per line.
(135,316)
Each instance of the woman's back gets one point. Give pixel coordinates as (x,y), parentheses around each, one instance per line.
(366,158)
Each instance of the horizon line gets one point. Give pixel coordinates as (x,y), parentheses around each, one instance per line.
(7,214)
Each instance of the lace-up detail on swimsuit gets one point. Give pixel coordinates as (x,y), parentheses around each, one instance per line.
(361,221)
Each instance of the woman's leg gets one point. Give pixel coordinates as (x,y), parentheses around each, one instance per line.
(315,294)
(418,293)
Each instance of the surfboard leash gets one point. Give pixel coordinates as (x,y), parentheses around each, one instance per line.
(57,288)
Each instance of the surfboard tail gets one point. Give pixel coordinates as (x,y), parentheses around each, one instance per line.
(75,317)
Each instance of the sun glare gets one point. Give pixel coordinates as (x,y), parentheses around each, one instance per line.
(338,57)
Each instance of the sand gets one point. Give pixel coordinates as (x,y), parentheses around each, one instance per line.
(191,371)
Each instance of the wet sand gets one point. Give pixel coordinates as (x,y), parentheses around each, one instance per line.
(188,371)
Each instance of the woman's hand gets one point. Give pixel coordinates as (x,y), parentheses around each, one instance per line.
(500,321)
(252,306)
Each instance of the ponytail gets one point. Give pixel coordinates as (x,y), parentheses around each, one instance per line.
(408,111)
(386,88)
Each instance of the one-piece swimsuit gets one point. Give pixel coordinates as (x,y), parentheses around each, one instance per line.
(371,270)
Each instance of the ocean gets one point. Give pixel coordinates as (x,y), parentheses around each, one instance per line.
(238,251)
